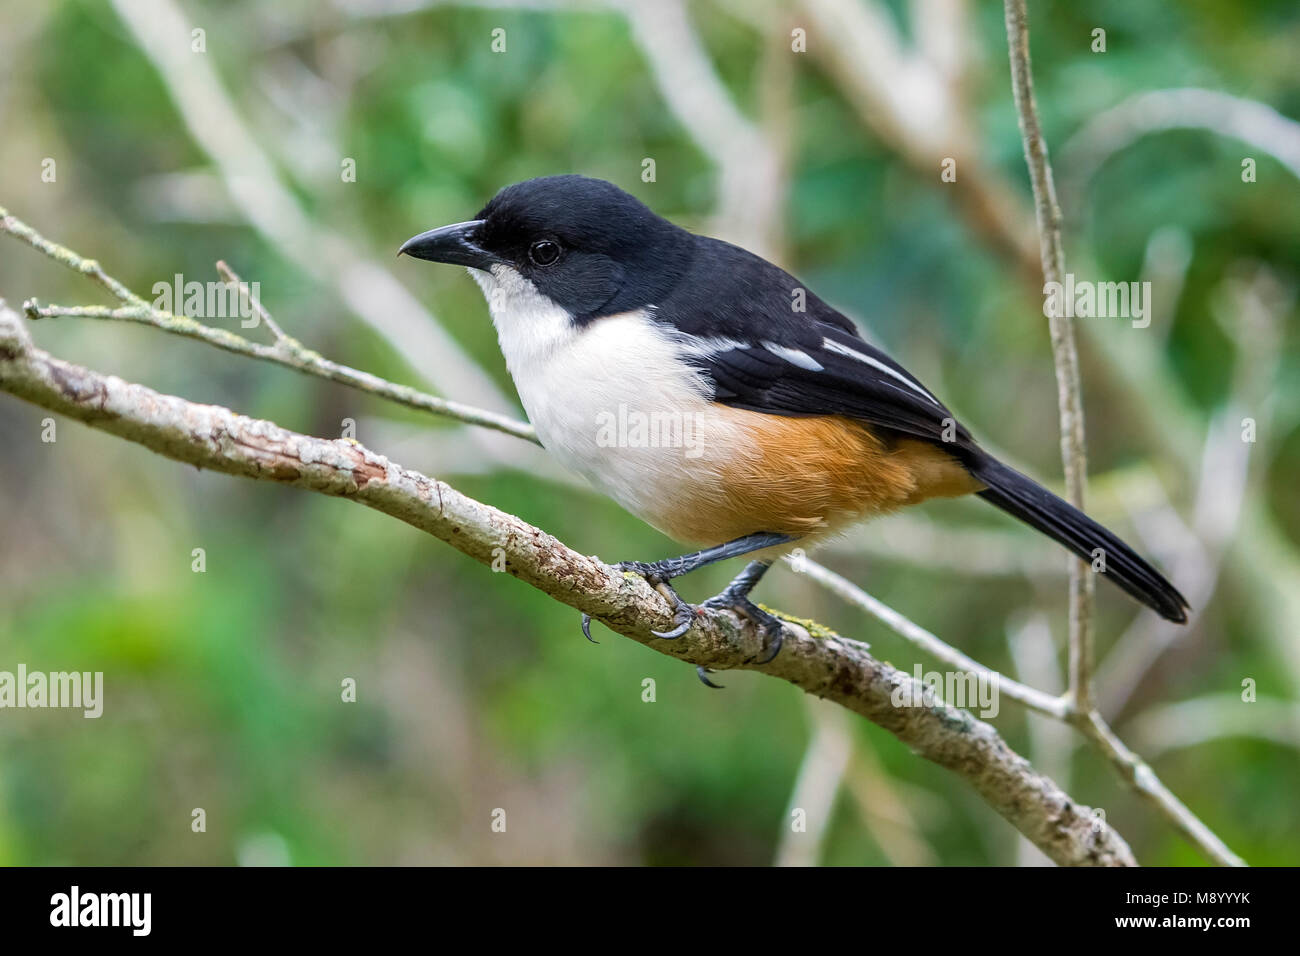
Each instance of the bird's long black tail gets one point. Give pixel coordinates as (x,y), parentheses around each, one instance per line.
(1033,504)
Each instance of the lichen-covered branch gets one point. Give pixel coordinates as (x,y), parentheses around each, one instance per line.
(818,661)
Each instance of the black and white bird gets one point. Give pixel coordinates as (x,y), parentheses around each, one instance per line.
(791,426)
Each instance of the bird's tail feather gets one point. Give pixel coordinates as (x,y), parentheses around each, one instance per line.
(1033,504)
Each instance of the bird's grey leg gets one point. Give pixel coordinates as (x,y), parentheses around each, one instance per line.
(676,567)
(659,574)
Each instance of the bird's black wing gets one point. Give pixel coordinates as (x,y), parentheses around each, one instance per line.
(768,345)
(840,375)
(737,322)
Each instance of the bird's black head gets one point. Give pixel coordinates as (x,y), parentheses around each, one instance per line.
(583,243)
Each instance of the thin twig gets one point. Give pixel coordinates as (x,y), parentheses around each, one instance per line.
(290,354)
(1064,354)
(263,314)
(287,351)
(926,641)
(65,256)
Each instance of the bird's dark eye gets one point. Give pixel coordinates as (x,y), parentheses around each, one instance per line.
(544,252)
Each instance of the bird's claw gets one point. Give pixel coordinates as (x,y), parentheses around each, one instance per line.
(683,613)
(702,673)
(683,618)
(774,637)
(733,599)
(769,625)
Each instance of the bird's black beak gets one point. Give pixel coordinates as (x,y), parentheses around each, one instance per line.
(456,244)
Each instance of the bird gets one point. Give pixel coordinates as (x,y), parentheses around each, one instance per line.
(717,398)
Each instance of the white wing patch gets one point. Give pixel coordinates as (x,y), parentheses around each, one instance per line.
(795,357)
(706,347)
(832,346)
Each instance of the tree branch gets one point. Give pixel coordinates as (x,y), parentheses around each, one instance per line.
(826,664)
(287,350)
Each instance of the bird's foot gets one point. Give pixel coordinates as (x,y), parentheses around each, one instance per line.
(769,625)
(658,575)
(734,598)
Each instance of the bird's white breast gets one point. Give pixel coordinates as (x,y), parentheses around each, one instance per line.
(612,399)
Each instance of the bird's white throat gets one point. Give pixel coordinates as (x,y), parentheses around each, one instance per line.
(530,327)
(574,380)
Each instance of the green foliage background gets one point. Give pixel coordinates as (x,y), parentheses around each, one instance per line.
(223,688)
